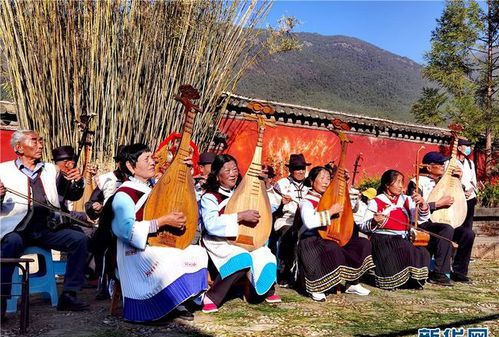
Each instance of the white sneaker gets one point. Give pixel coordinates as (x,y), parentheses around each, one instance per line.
(358,289)
(319,297)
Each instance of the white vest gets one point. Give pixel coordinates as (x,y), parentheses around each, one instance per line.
(108,184)
(14,208)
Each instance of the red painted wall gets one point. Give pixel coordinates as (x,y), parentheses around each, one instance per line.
(6,152)
(319,147)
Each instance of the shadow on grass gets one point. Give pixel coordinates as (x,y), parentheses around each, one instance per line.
(455,324)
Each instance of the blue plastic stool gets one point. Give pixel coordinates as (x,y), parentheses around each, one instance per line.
(43,281)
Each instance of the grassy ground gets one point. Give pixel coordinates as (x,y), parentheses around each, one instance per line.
(383,313)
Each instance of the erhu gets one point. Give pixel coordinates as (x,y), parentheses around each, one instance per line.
(418,238)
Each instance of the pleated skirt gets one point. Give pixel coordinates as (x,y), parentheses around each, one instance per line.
(323,264)
(398,261)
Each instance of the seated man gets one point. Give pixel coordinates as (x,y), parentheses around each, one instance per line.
(26,223)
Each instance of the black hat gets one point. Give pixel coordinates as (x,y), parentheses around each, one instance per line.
(434,157)
(117,157)
(464,142)
(63,152)
(297,160)
(206,158)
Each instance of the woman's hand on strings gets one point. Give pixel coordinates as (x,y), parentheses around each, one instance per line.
(335,209)
(418,199)
(379,218)
(174,220)
(249,217)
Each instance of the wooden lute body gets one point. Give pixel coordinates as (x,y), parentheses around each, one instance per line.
(341,228)
(451,186)
(252,194)
(175,189)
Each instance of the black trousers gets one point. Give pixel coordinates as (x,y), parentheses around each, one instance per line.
(464,237)
(68,240)
(221,287)
(439,248)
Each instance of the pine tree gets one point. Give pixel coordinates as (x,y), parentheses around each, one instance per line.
(463,63)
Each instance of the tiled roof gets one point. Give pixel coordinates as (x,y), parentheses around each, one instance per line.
(321,119)
(8,116)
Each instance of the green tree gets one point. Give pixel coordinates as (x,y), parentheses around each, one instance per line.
(428,109)
(463,62)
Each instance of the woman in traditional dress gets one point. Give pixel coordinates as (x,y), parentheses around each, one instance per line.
(154,280)
(323,264)
(232,262)
(398,262)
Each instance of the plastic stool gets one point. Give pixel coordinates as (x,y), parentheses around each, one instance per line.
(43,281)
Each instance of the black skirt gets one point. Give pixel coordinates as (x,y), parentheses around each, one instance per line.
(398,261)
(323,264)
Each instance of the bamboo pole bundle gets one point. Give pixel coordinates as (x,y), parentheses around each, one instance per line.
(123,61)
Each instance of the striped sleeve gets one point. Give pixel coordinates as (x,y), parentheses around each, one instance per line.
(312,218)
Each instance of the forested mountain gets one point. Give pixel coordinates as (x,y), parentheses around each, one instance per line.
(338,73)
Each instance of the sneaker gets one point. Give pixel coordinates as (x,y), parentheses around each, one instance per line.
(273,299)
(357,289)
(459,277)
(69,302)
(318,297)
(440,279)
(209,308)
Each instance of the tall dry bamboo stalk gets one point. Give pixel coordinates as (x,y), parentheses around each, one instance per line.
(123,61)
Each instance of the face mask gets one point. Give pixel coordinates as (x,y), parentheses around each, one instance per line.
(467,151)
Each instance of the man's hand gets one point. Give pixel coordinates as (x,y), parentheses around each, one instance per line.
(92,169)
(286,199)
(3,190)
(97,207)
(444,202)
(72,175)
(457,172)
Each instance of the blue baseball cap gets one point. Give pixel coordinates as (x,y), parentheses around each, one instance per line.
(434,157)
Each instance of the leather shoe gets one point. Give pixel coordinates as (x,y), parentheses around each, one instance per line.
(69,302)
(182,313)
(459,277)
(440,279)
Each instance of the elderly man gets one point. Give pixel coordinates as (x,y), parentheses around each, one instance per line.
(25,223)
(291,191)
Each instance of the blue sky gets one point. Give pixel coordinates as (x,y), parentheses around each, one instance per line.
(401,27)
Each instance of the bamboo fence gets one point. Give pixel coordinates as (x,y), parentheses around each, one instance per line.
(122,61)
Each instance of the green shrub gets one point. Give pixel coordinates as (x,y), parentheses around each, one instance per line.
(488,195)
(373,182)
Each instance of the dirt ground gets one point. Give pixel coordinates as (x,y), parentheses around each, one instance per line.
(383,313)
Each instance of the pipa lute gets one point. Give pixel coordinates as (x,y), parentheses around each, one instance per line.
(341,228)
(252,193)
(449,185)
(175,189)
